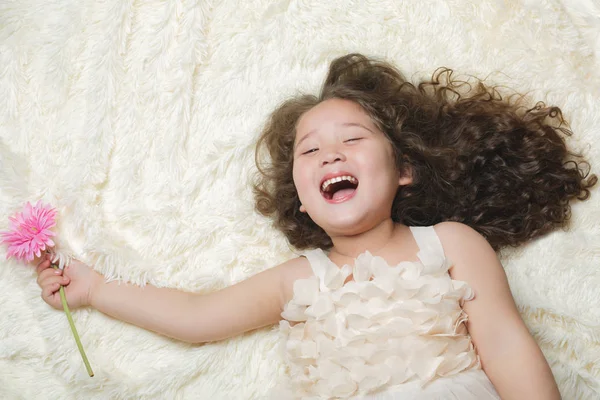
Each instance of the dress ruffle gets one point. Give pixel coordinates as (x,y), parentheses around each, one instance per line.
(390,325)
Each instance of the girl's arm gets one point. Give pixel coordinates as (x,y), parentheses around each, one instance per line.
(509,355)
(190,317)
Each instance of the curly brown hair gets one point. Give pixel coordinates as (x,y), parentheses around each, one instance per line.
(476,158)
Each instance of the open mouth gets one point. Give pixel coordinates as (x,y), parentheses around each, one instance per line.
(339,188)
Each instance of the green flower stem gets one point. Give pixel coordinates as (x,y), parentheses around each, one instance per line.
(63,299)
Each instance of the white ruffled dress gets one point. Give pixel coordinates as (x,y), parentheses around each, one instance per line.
(390,333)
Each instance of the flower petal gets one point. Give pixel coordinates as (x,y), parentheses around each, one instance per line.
(29,231)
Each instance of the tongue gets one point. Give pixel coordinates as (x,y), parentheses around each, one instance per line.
(340,194)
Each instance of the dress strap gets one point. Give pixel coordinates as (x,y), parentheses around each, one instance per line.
(429,244)
(319,262)
(331,277)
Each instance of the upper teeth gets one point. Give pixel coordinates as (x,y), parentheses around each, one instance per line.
(328,182)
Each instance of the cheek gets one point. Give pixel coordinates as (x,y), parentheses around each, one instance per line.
(298,180)
(302,182)
(382,167)
(386,157)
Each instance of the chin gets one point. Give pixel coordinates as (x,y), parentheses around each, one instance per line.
(346,227)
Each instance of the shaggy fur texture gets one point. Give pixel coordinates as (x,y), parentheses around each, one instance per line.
(137,120)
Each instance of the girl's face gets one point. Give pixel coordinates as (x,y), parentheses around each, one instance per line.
(344,168)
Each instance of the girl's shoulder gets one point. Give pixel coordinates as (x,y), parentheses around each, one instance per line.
(458,236)
(469,251)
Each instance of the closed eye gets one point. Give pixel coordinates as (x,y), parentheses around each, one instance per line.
(310,151)
(353,140)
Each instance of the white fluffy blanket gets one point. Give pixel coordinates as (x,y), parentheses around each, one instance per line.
(137,120)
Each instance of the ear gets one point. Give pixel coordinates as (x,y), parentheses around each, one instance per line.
(406,177)
(302,208)
(405,180)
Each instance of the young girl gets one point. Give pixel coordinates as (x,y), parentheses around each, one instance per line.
(403,193)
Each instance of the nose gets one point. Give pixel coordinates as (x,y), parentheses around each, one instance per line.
(332,155)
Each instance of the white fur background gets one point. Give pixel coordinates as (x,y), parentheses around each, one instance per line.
(137,120)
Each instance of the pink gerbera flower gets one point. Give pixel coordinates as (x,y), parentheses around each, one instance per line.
(28,236)
(30,232)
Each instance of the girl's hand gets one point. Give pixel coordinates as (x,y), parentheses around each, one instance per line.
(78,278)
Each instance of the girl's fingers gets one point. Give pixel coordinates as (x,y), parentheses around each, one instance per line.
(47,273)
(51,285)
(51,280)
(42,266)
(49,290)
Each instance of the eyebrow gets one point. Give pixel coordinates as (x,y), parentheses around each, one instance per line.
(345,124)
(357,124)
(304,137)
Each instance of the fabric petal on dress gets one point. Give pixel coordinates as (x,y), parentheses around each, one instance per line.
(306,291)
(389,327)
